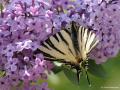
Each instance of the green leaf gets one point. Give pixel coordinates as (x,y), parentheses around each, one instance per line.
(57,69)
(96,69)
(2,74)
(71,75)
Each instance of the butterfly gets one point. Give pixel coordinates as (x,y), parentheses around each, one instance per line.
(70,47)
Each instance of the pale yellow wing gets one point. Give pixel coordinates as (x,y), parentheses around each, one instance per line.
(87,40)
(60,47)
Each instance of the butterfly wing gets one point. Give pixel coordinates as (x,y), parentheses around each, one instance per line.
(87,40)
(59,46)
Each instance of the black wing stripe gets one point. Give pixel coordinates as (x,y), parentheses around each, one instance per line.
(74,36)
(59,46)
(63,39)
(80,33)
(68,32)
(71,51)
(45,46)
(55,36)
(58,60)
(87,38)
(94,43)
(85,35)
(61,36)
(52,59)
(46,54)
(52,46)
(91,42)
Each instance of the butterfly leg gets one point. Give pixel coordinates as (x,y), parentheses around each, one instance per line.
(78,75)
(87,77)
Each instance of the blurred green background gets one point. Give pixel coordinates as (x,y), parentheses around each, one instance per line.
(111,82)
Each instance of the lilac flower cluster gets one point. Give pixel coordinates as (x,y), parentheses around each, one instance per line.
(104,19)
(25,23)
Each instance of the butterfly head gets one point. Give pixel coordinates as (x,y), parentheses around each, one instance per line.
(81,62)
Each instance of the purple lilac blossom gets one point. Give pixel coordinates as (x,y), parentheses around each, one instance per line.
(25,23)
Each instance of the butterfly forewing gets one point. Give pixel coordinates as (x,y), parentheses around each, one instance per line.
(87,40)
(59,46)
(67,45)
